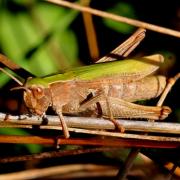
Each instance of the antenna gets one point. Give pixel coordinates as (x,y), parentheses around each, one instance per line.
(11,76)
(20,87)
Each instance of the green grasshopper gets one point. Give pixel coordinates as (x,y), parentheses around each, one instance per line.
(114,85)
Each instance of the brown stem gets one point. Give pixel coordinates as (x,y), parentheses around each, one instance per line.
(54,154)
(14,67)
(113,142)
(90,32)
(116,17)
(110,134)
(88,123)
(128,163)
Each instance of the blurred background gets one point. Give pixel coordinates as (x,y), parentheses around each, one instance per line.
(46,39)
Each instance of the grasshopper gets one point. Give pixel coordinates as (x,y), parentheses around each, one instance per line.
(65,89)
(65,92)
(115,88)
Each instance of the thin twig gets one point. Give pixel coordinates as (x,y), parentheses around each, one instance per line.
(11,76)
(171,82)
(170,177)
(106,133)
(128,164)
(175,170)
(116,17)
(90,123)
(8,63)
(53,154)
(110,134)
(14,67)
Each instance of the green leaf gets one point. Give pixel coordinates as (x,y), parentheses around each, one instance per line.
(39,39)
(69,46)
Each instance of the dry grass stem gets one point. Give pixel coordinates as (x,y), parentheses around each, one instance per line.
(54,154)
(118,18)
(162,142)
(90,32)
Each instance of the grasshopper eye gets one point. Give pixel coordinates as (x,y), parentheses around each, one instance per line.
(38,92)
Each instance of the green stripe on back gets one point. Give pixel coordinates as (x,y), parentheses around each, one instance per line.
(126,68)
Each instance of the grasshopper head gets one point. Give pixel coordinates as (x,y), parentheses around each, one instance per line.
(37,97)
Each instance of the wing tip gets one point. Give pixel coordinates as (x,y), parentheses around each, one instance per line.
(156,57)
